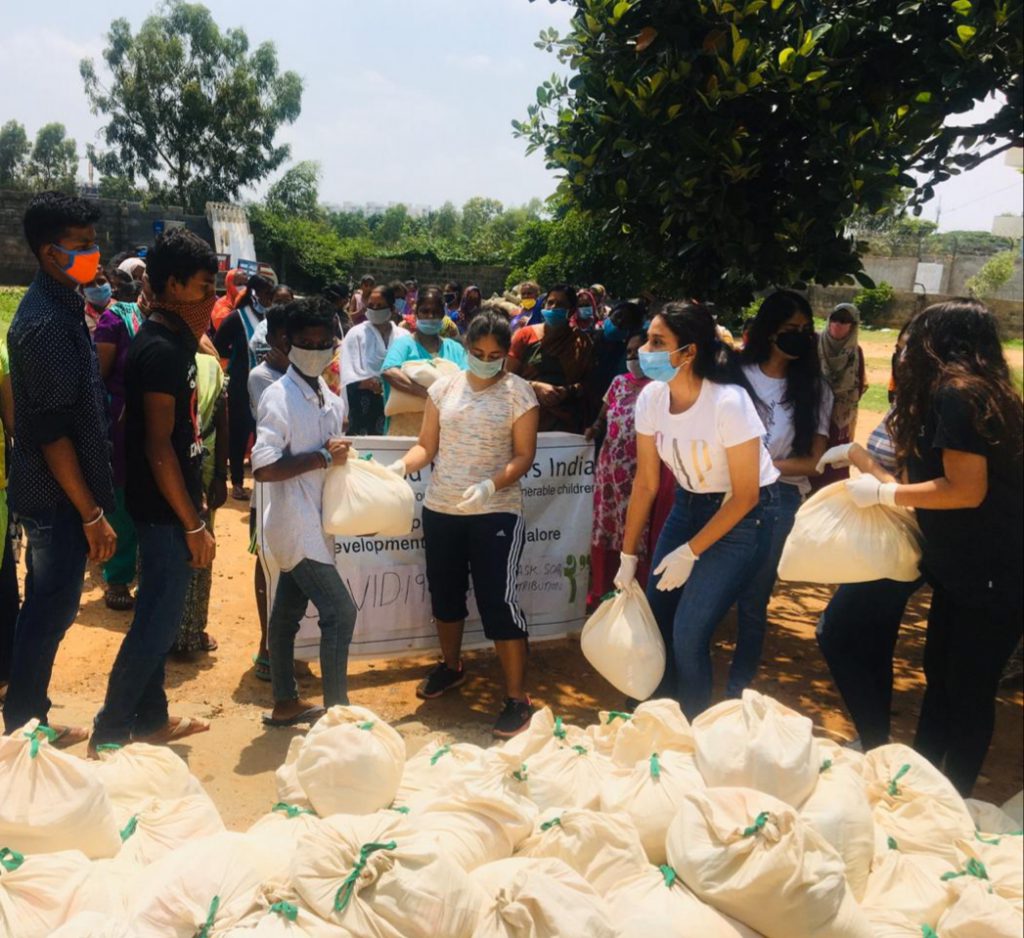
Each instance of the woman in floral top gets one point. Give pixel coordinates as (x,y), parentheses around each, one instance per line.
(616,467)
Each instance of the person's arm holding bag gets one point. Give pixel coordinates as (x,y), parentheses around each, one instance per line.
(646,482)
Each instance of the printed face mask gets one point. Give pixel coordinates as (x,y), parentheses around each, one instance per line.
(484,369)
(310,361)
(99,296)
(794,344)
(82,265)
(378,316)
(429,326)
(194,313)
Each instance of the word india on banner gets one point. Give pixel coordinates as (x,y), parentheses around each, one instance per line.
(387,578)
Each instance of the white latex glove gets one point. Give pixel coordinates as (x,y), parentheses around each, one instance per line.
(476,496)
(627,571)
(866,491)
(398,467)
(675,568)
(838,456)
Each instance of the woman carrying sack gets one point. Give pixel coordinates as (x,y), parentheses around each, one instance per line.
(780,362)
(842,366)
(480,430)
(362,358)
(424,345)
(957,427)
(706,430)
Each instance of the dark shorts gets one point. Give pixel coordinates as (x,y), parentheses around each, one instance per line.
(486,547)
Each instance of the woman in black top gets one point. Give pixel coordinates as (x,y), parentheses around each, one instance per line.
(957,428)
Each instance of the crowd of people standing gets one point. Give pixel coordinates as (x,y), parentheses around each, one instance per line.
(134,396)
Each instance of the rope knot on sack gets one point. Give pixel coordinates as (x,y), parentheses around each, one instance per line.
(285,910)
(894,788)
(401,809)
(347,889)
(291,810)
(211,917)
(559,731)
(972,867)
(521,774)
(757,826)
(614,715)
(10,859)
(37,736)
(555,821)
(368,725)
(668,874)
(129,828)
(444,750)
(655,764)
(825,766)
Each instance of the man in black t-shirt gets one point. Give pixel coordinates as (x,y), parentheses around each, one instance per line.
(164,487)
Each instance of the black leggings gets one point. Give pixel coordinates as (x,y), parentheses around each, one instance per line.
(241,426)
(964,656)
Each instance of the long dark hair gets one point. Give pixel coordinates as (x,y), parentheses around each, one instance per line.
(955,345)
(803,375)
(692,324)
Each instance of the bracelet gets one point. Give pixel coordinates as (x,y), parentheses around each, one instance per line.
(202,527)
(327,457)
(96,520)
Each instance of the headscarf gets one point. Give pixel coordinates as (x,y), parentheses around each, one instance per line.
(840,366)
(586,298)
(226,303)
(468,309)
(135,267)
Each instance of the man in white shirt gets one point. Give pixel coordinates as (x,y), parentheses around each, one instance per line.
(299,425)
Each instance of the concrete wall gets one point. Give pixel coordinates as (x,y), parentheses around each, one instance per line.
(906,304)
(901,273)
(489,279)
(123,225)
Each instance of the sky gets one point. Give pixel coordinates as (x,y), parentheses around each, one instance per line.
(405,100)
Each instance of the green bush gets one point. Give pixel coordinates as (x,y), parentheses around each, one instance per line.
(873,302)
(987,281)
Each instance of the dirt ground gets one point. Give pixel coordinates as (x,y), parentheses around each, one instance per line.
(236,760)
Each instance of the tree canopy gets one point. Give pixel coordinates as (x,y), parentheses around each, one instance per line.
(190,109)
(729,141)
(14,151)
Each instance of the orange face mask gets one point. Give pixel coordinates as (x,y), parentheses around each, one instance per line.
(82,265)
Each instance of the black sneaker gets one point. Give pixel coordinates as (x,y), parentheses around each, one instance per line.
(514,718)
(440,679)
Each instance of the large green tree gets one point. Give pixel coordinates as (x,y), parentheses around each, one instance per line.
(53,163)
(297,192)
(730,140)
(190,108)
(14,150)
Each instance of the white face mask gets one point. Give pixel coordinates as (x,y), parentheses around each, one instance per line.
(311,361)
(635,370)
(378,316)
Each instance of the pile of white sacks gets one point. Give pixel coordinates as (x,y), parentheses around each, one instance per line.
(640,826)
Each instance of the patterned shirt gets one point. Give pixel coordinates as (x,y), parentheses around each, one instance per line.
(55,380)
(476,440)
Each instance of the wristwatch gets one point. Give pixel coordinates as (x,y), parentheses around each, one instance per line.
(328,458)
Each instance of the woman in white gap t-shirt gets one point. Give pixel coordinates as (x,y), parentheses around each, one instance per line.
(480,431)
(780,363)
(708,433)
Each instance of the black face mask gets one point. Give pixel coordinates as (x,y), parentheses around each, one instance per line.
(795,344)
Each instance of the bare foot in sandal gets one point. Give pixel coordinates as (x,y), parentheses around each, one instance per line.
(177,728)
(293,712)
(68,736)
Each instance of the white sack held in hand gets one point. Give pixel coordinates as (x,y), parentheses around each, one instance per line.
(423,373)
(366,876)
(350,762)
(137,772)
(51,801)
(539,898)
(602,848)
(979,913)
(911,884)
(621,640)
(838,809)
(362,498)
(758,743)
(751,857)
(650,794)
(655,726)
(834,541)
(656,904)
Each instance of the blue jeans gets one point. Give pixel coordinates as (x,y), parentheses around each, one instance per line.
(319,583)
(752,605)
(57,551)
(688,616)
(857,634)
(136,704)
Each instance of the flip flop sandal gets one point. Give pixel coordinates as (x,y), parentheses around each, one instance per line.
(261,667)
(174,731)
(208,643)
(307,716)
(68,736)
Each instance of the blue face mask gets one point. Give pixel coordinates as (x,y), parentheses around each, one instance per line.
(400,307)
(555,317)
(586,312)
(483,369)
(613,333)
(429,326)
(658,365)
(98,296)
(257,306)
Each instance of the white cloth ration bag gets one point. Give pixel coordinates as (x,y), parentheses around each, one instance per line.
(655,726)
(423,373)
(622,641)
(135,773)
(363,498)
(834,541)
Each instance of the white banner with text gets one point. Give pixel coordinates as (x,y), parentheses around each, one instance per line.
(387,579)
